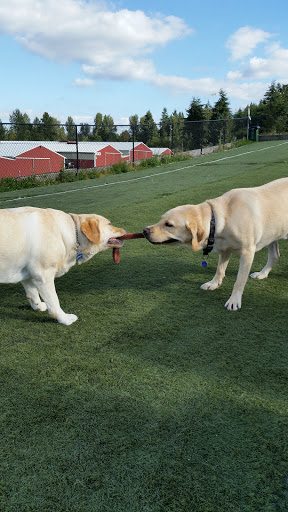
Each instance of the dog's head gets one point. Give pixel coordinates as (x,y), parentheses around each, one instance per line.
(181,225)
(100,232)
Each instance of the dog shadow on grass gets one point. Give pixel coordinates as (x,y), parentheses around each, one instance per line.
(180,404)
(178,273)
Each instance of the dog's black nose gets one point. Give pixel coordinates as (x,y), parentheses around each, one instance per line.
(146,232)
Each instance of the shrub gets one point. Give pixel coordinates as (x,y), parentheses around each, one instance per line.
(92,174)
(152,162)
(65,176)
(120,167)
(82,175)
(165,159)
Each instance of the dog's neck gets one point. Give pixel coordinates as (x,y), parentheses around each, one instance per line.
(79,254)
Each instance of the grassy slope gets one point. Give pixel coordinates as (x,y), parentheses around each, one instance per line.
(157,399)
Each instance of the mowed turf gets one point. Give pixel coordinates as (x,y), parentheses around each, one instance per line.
(157,399)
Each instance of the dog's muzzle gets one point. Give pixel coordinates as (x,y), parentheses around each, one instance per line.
(147,234)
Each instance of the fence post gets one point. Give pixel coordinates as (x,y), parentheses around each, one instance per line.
(77,150)
(202,136)
(133,144)
(172,136)
(248,121)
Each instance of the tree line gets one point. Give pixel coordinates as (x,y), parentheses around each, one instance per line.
(202,123)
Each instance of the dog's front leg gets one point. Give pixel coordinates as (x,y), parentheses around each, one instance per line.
(46,289)
(246,260)
(220,272)
(33,296)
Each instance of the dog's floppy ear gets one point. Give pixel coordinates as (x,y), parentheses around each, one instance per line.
(197,231)
(90,228)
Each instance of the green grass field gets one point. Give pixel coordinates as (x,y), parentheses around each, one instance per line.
(157,399)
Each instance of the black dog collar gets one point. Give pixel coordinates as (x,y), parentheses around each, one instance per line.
(211,240)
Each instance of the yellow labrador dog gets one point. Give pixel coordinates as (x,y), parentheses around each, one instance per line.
(37,245)
(241,221)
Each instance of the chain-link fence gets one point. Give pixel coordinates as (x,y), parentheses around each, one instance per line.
(41,149)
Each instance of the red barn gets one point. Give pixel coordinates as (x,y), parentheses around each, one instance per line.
(35,161)
(161,151)
(100,154)
(12,168)
(90,154)
(141,151)
(41,160)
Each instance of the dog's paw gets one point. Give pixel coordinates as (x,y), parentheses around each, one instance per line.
(210,285)
(67,319)
(259,275)
(233,304)
(41,306)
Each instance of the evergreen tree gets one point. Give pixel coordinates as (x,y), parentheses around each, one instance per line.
(194,125)
(21,127)
(165,129)
(218,133)
(50,128)
(108,130)
(36,130)
(148,130)
(221,108)
(177,132)
(273,109)
(70,129)
(207,111)
(134,127)
(239,124)
(124,136)
(84,132)
(98,121)
(206,125)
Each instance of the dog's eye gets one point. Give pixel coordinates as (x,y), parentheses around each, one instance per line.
(168,225)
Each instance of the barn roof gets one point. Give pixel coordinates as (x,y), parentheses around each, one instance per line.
(13,148)
(158,151)
(127,146)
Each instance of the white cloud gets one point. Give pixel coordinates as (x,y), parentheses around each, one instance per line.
(251,78)
(245,92)
(126,68)
(73,30)
(84,82)
(274,64)
(244,40)
(180,85)
(234,75)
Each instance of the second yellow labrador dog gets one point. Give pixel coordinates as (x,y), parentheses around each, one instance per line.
(37,245)
(241,221)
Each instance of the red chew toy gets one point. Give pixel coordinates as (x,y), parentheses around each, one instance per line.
(127,236)
(116,255)
(130,236)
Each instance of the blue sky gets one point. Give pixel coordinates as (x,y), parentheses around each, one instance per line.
(76,57)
